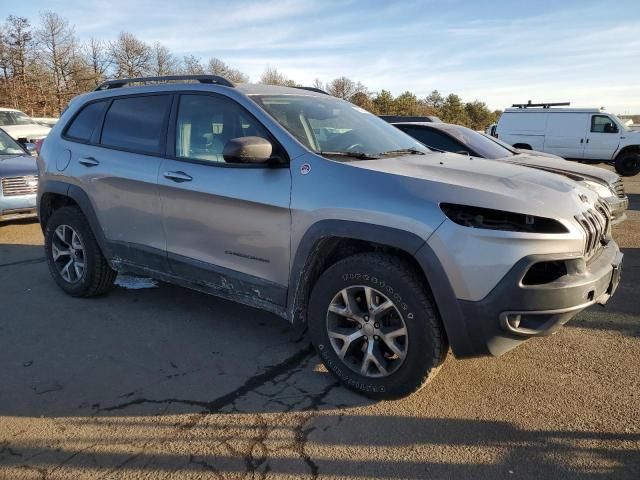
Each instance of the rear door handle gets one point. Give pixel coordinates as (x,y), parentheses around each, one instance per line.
(178,176)
(89,162)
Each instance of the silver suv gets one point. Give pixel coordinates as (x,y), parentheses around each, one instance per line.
(293,201)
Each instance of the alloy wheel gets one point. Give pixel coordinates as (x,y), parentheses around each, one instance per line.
(367,331)
(68,253)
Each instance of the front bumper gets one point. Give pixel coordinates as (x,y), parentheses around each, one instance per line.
(15,208)
(513,312)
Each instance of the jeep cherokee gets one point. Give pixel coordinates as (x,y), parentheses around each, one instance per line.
(302,204)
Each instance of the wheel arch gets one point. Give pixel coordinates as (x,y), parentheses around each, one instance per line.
(627,149)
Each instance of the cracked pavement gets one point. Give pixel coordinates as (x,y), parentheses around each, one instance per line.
(169,383)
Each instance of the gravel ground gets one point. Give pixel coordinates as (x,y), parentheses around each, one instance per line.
(167,383)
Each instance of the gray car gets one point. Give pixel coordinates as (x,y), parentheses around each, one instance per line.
(307,206)
(456,138)
(18,180)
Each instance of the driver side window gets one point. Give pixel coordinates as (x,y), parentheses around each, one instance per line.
(206,123)
(603,124)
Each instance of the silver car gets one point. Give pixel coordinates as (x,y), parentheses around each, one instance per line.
(307,206)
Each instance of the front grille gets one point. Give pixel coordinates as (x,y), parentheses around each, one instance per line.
(596,223)
(618,187)
(14,186)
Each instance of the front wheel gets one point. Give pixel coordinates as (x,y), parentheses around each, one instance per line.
(628,164)
(375,327)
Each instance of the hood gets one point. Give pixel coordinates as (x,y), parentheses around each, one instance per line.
(33,131)
(576,171)
(536,153)
(17,165)
(447,177)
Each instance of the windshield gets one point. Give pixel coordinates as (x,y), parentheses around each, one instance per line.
(8,146)
(15,118)
(479,143)
(622,123)
(330,126)
(501,143)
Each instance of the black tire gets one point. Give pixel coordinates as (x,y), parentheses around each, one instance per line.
(426,343)
(97,277)
(628,164)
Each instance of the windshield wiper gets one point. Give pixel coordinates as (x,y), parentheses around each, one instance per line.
(408,151)
(358,155)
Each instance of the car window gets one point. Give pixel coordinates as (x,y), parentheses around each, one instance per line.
(434,139)
(15,118)
(83,125)
(206,123)
(8,146)
(328,125)
(477,143)
(603,124)
(135,123)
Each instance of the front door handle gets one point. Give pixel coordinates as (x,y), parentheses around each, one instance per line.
(89,162)
(178,176)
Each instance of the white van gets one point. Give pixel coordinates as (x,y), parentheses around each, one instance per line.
(572,133)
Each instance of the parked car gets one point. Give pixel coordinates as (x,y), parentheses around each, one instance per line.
(20,126)
(46,121)
(389,253)
(18,180)
(458,139)
(404,118)
(572,133)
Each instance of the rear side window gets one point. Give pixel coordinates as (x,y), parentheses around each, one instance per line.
(84,124)
(434,139)
(136,123)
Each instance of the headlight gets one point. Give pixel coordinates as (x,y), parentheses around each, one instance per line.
(603,191)
(478,217)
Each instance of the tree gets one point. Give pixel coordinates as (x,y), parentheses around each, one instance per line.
(191,65)
(363,100)
(383,103)
(59,53)
(130,56)
(406,104)
(97,60)
(317,83)
(480,117)
(218,67)
(453,111)
(434,100)
(271,76)
(162,61)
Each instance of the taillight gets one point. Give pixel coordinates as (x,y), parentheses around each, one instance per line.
(39,143)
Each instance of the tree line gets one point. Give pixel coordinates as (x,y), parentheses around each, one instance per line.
(43,66)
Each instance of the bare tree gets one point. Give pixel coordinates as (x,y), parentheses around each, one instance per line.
(163,62)
(19,40)
(96,57)
(58,51)
(345,88)
(317,83)
(191,65)
(131,57)
(271,76)
(218,67)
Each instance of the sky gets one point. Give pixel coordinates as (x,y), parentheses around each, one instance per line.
(585,52)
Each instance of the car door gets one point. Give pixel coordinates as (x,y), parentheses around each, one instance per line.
(603,138)
(118,169)
(565,134)
(227,224)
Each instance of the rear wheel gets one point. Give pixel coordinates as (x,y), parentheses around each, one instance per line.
(73,255)
(375,327)
(628,164)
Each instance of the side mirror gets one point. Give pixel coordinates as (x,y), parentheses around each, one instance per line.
(31,148)
(247,150)
(608,128)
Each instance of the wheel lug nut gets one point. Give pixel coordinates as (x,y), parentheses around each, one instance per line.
(376,338)
(359,327)
(377,325)
(366,318)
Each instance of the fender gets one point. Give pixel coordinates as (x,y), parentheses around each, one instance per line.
(309,249)
(80,197)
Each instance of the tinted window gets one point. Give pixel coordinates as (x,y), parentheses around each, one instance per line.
(83,125)
(478,143)
(206,123)
(8,145)
(603,124)
(135,123)
(434,139)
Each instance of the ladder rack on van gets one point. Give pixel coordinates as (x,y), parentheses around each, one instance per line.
(121,82)
(543,105)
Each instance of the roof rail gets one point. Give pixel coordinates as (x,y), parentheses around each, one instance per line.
(543,105)
(314,89)
(121,82)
